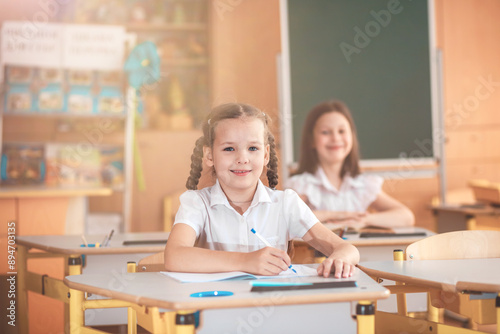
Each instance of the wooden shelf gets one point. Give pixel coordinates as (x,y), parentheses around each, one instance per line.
(20,191)
(61,114)
(164,27)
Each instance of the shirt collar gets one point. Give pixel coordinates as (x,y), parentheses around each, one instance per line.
(218,197)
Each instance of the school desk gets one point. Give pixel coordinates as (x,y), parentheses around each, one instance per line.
(170,305)
(477,278)
(466,217)
(38,209)
(67,250)
(376,247)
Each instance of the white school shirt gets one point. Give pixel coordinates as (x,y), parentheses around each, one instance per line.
(278,216)
(355,194)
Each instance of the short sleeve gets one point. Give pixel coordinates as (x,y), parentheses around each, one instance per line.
(299,216)
(306,184)
(192,211)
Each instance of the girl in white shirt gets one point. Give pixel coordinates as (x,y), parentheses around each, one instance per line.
(237,145)
(328,177)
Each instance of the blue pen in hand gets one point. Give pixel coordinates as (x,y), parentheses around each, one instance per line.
(267,243)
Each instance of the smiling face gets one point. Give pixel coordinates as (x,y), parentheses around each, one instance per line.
(332,138)
(238,155)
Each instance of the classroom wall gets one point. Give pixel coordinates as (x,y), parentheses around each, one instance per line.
(245,44)
(468,33)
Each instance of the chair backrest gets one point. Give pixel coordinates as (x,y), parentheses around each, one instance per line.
(154,262)
(470,244)
(171,204)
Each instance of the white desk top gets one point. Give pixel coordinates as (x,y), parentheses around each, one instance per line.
(157,290)
(482,275)
(70,244)
(400,238)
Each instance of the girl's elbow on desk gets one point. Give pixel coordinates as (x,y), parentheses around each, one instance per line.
(407,217)
(174,258)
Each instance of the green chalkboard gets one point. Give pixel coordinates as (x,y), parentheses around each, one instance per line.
(373,55)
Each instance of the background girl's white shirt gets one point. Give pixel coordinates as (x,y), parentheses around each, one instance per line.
(355,194)
(278,216)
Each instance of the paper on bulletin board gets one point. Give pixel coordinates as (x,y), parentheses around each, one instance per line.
(93,47)
(67,46)
(25,44)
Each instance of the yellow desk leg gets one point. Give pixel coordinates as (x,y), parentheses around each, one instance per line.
(184,322)
(76,318)
(471,222)
(131,314)
(497,304)
(365,316)
(22,290)
(401,298)
(76,314)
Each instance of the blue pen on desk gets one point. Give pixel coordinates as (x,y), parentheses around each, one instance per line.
(342,232)
(105,243)
(266,243)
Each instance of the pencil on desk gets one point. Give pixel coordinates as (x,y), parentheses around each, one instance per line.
(342,232)
(85,241)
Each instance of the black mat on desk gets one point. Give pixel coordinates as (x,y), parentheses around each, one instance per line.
(320,285)
(392,235)
(143,242)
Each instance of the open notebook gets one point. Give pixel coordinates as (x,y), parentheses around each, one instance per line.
(336,227)
(302,270)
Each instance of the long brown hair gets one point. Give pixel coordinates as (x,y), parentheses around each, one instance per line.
(308,159)
(231,111)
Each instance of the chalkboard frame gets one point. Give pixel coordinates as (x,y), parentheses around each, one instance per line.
(414,160)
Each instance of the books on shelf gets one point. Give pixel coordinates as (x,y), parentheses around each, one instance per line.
(22,164)
(74,92)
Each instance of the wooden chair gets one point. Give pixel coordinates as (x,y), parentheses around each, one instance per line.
(143,316)
(458,245)
(153,262)
(171,204)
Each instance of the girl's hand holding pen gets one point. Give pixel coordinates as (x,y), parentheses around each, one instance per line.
(266,261)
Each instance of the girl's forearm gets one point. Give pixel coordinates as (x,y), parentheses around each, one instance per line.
(327,242)
(194,259)
(391,218)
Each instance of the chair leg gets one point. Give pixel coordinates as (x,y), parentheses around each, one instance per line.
(434,314)
(401,298)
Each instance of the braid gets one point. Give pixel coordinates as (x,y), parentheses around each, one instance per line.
(272,166)
(196,165)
